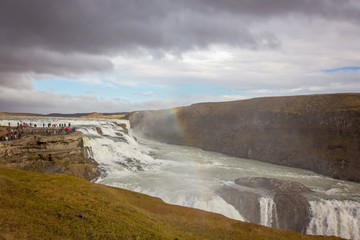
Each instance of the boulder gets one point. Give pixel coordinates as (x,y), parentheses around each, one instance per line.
(99,131)
(272,184)
(245,202)
(123,126)
(292,208)
(293,211)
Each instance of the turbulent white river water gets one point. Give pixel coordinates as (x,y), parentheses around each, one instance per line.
(190,176)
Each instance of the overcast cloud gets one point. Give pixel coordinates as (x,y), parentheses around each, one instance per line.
(243,48)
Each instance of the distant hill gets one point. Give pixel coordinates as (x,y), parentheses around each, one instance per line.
(73,115)
(104,115)
(66,114)
(20,114)
(89,115)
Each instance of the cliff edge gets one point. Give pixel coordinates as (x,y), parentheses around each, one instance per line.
(62,154)
(315,132)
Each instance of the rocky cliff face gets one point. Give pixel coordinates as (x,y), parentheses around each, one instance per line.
(49,154)
(291,209)
(316,132)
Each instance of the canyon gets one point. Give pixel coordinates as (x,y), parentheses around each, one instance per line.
(314,132)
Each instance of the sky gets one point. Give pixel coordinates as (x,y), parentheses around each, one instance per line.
(69,56)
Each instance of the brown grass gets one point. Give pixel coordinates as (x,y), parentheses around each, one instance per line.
(42,206)
(100,115)
(20,114)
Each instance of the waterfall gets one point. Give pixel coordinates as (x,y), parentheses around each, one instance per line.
(333,217)
(268,212)
(190,176)
(115,150)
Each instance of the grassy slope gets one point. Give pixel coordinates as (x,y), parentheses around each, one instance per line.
(41,206)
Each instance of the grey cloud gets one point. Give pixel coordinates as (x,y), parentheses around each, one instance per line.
(71,37)
(17,81)
(19,65)
(112,26)
(40,61)
(13,100)
(329,9)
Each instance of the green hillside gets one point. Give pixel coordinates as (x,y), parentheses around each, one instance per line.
(42,206)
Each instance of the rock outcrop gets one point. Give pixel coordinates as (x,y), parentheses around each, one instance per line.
(49,154)
(272,184)
(291,209)
(247,203)
(316,132)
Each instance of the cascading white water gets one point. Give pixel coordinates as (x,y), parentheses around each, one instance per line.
(332,217)
(190,177)
(268,212)
(187,163)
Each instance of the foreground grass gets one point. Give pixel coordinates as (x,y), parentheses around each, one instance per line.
(41,206)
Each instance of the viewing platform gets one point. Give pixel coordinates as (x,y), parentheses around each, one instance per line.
(15,133)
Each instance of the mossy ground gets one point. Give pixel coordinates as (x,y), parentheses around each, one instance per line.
(43,206)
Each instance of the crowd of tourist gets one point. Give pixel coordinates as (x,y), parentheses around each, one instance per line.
(22,129)
(11,134)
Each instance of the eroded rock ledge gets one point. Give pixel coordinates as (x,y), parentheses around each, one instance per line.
(62,154)
(291,209)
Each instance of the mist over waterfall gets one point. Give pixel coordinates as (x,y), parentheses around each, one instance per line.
(192,177)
